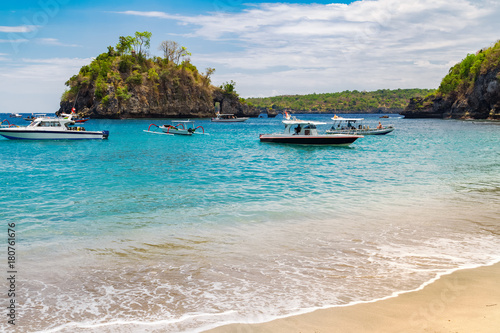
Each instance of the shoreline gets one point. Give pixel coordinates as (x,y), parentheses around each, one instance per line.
(464,300)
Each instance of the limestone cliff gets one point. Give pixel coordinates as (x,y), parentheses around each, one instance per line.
(471,90)
(132,86)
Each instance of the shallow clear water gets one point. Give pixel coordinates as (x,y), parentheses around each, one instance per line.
(144,233)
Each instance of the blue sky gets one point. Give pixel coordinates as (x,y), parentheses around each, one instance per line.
(266,47)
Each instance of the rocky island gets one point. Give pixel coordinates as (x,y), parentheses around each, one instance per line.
(126,83)
(470,90)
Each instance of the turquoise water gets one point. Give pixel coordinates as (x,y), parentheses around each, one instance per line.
(146,232)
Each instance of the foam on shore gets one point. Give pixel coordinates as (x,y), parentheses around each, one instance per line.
(461,301)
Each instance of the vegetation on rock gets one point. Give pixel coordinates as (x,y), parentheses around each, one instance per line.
(461,78)
(126,82)
(471,89)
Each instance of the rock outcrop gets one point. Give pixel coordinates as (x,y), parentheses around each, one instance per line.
(128,86)
(230,103)
(471,90)
(483,102)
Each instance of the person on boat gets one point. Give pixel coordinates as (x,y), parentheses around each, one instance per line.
(379,125)
(297,129)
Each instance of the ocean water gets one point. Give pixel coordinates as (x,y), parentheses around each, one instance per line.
(155,233)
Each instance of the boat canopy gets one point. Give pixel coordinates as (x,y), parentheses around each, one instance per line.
(50,122)
(347,119)
(302,122)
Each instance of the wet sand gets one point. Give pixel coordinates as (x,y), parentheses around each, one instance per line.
(461,302)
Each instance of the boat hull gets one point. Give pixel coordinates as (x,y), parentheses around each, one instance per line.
(323,140)
(235,120)
(363,132)
(177,131)
(81,120)
(26,134)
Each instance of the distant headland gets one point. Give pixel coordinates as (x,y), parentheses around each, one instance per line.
(379,101)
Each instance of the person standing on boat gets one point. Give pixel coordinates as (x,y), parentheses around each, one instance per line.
(379,125)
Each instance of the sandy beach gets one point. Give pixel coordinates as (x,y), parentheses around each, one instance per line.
(464,301)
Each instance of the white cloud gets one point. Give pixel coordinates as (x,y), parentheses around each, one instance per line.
(54,42)
(152,14)
(18,40)
(18,29)
(47,70)
(364,45)
(37,82)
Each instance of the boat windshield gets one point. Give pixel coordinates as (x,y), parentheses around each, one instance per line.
(49,124)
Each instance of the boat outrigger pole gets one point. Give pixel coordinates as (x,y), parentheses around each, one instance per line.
(74,104)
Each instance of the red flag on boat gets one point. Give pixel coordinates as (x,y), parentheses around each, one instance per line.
(73,110)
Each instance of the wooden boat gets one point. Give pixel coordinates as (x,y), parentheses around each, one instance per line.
(182,127)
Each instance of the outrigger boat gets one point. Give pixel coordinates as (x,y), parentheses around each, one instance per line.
(46,128)
(74,117)
(355,126)
(183,127)
(228,118)
(305,132)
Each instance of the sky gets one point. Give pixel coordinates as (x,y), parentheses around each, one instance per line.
(268,48)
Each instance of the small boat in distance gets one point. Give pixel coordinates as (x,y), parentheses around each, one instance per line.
(74,117)
(355,126)
(46,128)
(228,118)
(183,127)
(305,132)
(15,115)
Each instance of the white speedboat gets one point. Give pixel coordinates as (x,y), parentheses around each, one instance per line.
(228,118)
(355,126)
(46,128)
(182,127)
(305,132)
(15,115)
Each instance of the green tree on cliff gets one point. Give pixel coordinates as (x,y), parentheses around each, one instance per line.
(124,45)
(142,42)
(229,87)
(139,43)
